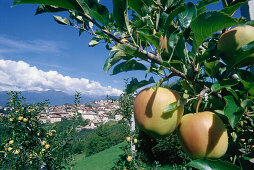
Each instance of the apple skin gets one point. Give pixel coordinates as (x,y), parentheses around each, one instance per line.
(128,139)
(129,158)
(203,135)
(148,111)
(232,40)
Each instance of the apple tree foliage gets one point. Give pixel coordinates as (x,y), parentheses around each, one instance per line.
(173,38)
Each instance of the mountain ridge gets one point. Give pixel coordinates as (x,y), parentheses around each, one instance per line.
(54,97)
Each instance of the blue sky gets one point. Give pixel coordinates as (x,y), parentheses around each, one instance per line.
(36,53)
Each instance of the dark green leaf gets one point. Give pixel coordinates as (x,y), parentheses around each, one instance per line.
(48,8)
(203,3)
(128,66)
(172,15)
(202,27)
(153,39)
(116,57)
(187,15)
(135,84)
(223,84)
(119,11)
(232,111)
(60,20)
(130,51)
(67,4)
(232,8)
(212,68)
(207,164)
(243,56)
(140,7)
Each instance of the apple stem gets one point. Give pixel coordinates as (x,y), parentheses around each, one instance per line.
(201,96)
(199,101)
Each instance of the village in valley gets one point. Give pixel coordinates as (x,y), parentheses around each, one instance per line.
(97,112)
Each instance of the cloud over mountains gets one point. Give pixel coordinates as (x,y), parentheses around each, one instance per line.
(20,76)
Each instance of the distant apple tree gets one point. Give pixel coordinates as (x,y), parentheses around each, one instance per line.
(174,38)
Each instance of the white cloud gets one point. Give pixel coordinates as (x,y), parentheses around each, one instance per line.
(20,76)
(8,45)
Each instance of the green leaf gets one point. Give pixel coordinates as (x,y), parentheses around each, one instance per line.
(212,68)
(243,56)
(60,20)
(135,84)
(232,111)
(153,39)
(93,43)
(116,57)
(67,4)
(48,8)
(173,106)
(203,3)
(140,7)
(232,8)
(128,66)
(172,15)
(119,11)
(202,27)
(207,164)
(223,84)
(129,51)
(187,15)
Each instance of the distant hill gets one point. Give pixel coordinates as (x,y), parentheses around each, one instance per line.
(54,97)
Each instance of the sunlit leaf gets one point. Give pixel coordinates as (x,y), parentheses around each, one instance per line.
(129,65)
(187,15)
(60,20)
(202,27)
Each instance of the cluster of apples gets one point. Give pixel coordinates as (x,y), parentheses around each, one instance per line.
(202,134)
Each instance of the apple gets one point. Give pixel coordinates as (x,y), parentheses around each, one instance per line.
(11,119)
(47,146)
(129,158)
(16,151)
(9,149)
(43,143)
(25,119)
(148,111)
(203,135)
(135,141)
(20,118)
(38,133)
(232,40)
(128,139)
(11,142)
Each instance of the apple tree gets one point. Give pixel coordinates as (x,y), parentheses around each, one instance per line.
(174,38)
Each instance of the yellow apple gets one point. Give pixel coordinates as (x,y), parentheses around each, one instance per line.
(20,118)
(128,139)
(135,141)
(11,142)
(129,158)
(47,146)
(25,119)
(9,149)
(16,151)
(149,113)
(43,143)
(232,40)
(203,135)
(11,119)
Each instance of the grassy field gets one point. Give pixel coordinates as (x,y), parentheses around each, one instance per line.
(101,161)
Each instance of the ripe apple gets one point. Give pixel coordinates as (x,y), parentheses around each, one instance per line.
(232,40)
(11,142)
(9,149)
(135,141)
(128,139)
(129,158)
(148,111)
(43,143)
(203,135)
(25,119)
(20,118)
(47,146)
(16,151)
(11,119)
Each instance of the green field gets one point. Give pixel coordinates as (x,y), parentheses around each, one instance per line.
(101,161)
